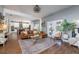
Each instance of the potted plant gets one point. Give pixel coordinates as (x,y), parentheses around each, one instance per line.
(73,26)
(68,27)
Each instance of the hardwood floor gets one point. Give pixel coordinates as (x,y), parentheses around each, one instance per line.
(12,47)
(63,49)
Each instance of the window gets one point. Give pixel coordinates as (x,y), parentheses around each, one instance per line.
(25,25)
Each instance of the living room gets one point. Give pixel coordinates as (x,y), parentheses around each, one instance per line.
(34,29)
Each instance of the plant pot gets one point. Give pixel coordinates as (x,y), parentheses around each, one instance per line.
(73,34)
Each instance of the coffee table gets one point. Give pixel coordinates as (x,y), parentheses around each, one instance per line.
(35,38)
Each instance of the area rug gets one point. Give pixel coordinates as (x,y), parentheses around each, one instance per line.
(31,47)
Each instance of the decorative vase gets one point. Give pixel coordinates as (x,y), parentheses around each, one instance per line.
(78,30)
(73,34)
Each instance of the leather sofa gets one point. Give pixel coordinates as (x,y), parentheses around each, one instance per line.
(26,34)
(29,34)
(42,34)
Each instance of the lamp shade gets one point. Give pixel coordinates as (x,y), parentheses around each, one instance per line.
(4,26)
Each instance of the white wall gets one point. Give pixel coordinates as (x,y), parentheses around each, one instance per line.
(69,13)
(1,8)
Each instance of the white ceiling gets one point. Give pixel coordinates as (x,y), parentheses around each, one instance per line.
(45,9)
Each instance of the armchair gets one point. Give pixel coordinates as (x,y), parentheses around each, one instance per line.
(2,39)
(42,34)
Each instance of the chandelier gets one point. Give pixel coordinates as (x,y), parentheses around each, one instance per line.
(36,9)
